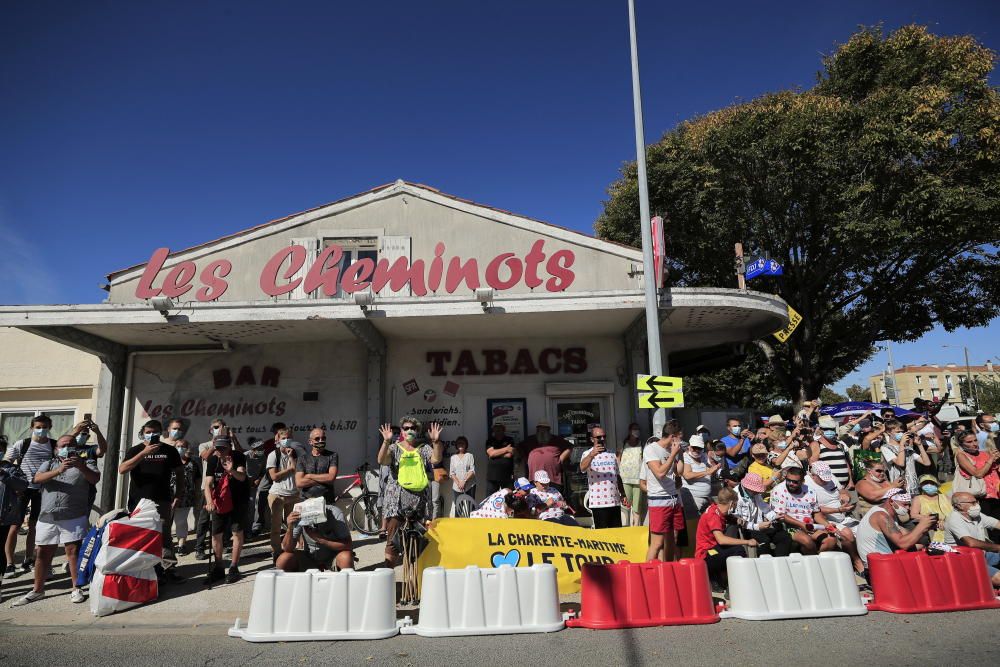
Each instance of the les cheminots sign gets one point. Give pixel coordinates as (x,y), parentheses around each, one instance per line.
(285,272)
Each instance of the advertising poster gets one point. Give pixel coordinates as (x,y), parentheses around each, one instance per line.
(511,412)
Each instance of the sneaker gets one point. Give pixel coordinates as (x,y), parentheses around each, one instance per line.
(27,566)
(200,554)
(234,575)
(216,574)
(11,572)
(77,596)
(27,599)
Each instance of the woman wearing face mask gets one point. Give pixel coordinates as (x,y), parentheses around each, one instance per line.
(977,473)
(901,454)
(407,490)
(629,467)
(931,501)
(462,470)
(872,487)
(183,503)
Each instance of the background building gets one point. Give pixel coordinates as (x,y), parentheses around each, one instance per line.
(931,381)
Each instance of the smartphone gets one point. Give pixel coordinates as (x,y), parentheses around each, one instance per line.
(87,417)
(155,440)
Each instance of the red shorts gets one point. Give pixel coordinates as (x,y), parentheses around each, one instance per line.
(666,519)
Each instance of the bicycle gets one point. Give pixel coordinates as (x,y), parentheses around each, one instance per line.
(364,513)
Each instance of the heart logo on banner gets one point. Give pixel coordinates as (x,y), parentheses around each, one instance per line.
(512,558)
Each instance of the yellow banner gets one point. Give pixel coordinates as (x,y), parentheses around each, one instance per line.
(456,543)
(793,322)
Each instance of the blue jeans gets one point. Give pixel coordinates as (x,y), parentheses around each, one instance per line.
(992,562)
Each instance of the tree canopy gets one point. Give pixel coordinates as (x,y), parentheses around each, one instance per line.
(878,190)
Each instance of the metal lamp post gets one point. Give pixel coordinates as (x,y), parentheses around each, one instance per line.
(652,304)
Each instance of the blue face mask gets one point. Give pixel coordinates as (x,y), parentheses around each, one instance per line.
(40,433)
(176,433)
(829,434)
(63,452)
(898,437)
(994,427)
(735,430)
(856,428)
(929,489)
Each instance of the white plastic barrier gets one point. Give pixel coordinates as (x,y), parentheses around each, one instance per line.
(314,605)
(475,601)
(796,586)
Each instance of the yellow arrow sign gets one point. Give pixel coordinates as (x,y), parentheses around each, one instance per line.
(793,322)
(665,400)
(659,383)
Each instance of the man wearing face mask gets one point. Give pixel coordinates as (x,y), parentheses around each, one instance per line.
(65,482)
(986,429)
(175,437)
(881,530)
(203,519)
(29,454)
(316,471)
(901,453)
(151,466)
(968,527)
(283,494)
(544,451)
(831,451)
(737,441)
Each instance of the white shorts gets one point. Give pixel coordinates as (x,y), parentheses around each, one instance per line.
(61,532)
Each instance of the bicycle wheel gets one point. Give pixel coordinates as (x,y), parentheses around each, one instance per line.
(365,516)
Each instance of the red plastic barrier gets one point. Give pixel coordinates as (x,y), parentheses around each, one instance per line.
(914,582)
(638,595)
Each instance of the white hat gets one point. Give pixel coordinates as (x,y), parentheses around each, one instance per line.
(696,441)
(542,477)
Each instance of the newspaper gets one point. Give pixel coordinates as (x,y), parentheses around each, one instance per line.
(311,511)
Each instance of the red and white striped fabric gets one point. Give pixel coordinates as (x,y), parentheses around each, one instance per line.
(131,548)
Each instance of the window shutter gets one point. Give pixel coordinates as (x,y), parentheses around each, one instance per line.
(391,249)
(312,249)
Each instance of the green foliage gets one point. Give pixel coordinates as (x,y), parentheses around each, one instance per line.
(878,190)
(858,393)
(987,390)
(829,396)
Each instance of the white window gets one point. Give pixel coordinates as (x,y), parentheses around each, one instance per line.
(933,381)
(16,424)
(354,248)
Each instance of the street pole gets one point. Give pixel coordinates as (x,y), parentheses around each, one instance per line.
(652,304)
(892,370)
(968,377)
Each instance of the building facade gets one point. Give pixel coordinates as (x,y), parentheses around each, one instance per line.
(930,381)
(400,300)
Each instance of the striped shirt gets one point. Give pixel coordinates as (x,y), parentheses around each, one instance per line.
(37,454)
(839,464)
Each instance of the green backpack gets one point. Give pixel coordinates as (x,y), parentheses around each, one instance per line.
(411,472)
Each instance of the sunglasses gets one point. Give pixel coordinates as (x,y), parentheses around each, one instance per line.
(878,469)
(409,428)
(320,441)
(600,438)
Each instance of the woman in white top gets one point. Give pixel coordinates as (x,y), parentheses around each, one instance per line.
(696,483)
(462,470)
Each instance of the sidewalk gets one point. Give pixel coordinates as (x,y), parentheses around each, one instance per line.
(181,607)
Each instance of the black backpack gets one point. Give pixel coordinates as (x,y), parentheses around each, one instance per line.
(13,482)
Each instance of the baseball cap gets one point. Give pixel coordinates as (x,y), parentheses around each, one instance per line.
(759,448)
(696,441)
(701,427)
(523,484)
(543,423)
(897,494)
(753,483)
(822,470)
(542,476)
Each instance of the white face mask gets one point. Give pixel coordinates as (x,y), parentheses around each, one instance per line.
(975,512)
(216,430)
(634,433)
(902,514)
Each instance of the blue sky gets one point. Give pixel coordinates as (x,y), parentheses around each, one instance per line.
(126,126)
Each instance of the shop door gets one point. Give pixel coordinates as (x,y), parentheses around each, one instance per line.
(574,417)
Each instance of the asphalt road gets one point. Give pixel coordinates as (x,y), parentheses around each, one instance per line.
(967,638)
